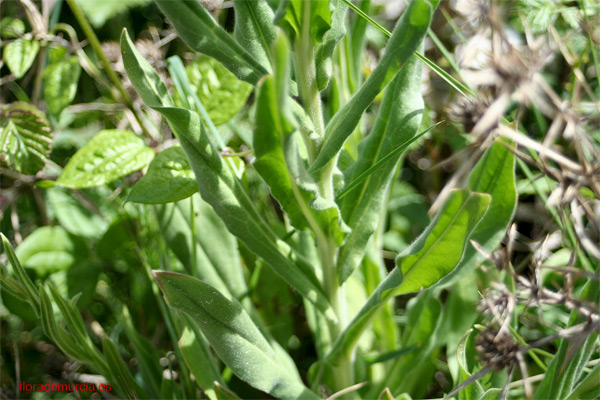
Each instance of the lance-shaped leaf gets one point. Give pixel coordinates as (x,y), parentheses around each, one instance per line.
(169,178)
(324,50)
(20,54)
(25,138)
(254,28)
(232,334)
(216,182)
(398,121)
(494,174)
(60,83)
(278,160)
(199,30)
(406,38)
(110,155)
(433,255)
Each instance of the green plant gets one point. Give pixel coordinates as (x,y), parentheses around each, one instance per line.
(327,144)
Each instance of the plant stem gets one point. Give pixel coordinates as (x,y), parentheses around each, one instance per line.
(97,47)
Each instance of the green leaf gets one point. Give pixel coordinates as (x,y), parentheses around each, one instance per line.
(254,28)
(25,138)
(199,30)
(278,160)
(215,257)
(218,186)
(197,357)
(465,353)
(324,50)
(220,92)
(11,28)
(494,174)
(398,121)
(74,216)
(98,12)
(433,255)
(319,22)
(50,249)
(19,55)
(110,155)
(231,333)
(31,292)
(60,84)
(169,178)
(406,38)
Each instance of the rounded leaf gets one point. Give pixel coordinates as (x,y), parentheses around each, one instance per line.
(20,54)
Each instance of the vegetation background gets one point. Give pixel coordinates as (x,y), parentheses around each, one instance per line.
(83,154)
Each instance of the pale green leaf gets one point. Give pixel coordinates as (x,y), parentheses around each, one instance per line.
(19,55)
(254,28)
(220,92)
(200,31)
(217,184)
(98,12)
(11,28)
(232,334)
(74,216)
(60,83)
(25,138)
(110,155)
(406,38)
(169,178)
(49,249)
(324,50)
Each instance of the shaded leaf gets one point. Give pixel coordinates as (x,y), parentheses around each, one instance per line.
(25,138)
(110,155)
(98,12)
(169,178)
(74,216)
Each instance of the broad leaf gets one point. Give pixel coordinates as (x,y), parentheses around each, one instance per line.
(220,92)
(98,12)
(199,30)
(399,119)
(60,83)
(231,333)
(254,28)
(74,216)
(217,184)
(11,28)
(19,55)
(25,138)
(433,255)
(49,249)
(406,38)
(110,155)
(278,160)
(169,178)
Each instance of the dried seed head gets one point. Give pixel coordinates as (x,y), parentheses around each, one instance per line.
(495,302)
(496,349)
(467,111)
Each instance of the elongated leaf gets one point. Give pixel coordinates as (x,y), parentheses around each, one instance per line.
(25,138)
(398,122)
(198,358)
(325,49)
(119,372)
(433,255)
(20,54)
(217,184)
(31,292)
(60,83)
(199,30)
(278,160)
(464,355)
(406,38)
(221,93)
(254,28)
(110,155)
(231,333)
(169,178)
(494,174)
